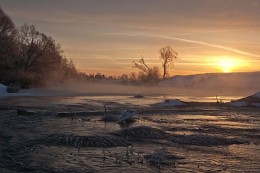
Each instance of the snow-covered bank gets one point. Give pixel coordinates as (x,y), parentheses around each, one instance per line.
(253,100)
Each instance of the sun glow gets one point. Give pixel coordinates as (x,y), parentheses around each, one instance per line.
(227,64)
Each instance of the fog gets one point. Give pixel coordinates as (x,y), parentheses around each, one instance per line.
(106,88)
(204,85)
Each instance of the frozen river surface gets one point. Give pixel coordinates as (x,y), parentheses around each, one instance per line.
(68,134)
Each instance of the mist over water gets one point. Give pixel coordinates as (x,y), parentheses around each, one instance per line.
(104,88)
(100,93)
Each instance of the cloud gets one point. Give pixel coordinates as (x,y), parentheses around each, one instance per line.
(139,14)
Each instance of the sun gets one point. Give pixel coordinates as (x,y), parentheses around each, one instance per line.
(227,64)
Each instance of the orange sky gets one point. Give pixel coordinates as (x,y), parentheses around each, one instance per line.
(108,35)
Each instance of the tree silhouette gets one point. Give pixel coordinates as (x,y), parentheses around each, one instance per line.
(141,65)
(39,53)
(8,45)
(146,74)
(167,55)
(29,57)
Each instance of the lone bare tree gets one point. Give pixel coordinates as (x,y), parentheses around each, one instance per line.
(167,55)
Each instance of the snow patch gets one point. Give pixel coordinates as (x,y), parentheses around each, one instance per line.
(238,104)
(257,95)
(171,102)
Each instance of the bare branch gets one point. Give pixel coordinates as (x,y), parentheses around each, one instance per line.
(141,65)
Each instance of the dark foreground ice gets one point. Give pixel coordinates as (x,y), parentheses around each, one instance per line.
(45,135)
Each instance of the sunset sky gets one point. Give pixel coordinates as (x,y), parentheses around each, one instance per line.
(108,35)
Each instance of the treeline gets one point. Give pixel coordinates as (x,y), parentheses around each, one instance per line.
(29,57)
(131,79)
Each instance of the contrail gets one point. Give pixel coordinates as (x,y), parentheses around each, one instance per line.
(214,31)
(189,41)
(206,44)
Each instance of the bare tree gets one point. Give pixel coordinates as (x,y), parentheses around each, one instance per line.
(167,55)
(141,65)
(68,68)
(146,74)
(29,57)
(39,53)
(7,34)
(8,46)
